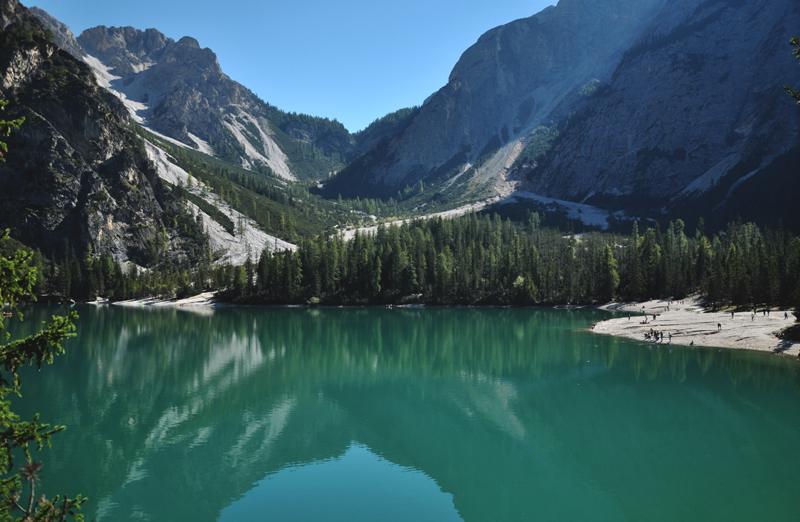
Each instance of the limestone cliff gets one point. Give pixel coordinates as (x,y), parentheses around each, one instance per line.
(62,35)
(508,83)
(179,90)
(74,169)
(649,103)
(696,102)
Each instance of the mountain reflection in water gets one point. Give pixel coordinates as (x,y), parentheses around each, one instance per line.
(494,414)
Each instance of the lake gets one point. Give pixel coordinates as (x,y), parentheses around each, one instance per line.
(434,414)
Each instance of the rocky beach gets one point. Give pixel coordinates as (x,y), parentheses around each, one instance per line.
(690,323)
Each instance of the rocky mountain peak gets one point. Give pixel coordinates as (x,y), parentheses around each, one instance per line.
(625,104)
(61,33)
(77,171)
(179,89)
(125,50)
(188,54)
(506,84)
(189,42)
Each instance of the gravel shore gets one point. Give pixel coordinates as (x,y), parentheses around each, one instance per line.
(204,300)
(691,324)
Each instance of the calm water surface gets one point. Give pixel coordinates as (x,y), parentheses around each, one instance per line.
(409,414)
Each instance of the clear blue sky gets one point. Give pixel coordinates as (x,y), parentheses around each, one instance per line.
(353,60)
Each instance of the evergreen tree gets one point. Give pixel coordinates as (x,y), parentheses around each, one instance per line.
(239,283)
(17,280)
(634,270)
(610,277)
(651,263)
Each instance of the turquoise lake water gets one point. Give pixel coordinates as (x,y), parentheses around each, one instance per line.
(434,414)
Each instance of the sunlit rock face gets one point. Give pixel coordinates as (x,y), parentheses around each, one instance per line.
(641,98)
(178,89)
(696,101)
(62,35)
(74,170)
(180,83)
(508,83)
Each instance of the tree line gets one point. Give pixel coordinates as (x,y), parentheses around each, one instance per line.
(483,260)
(471,260)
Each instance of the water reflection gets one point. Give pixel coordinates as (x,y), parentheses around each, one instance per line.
(315,492)
(173,415)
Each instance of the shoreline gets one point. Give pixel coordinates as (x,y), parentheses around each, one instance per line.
(204,300)
(693,325)
(687,320)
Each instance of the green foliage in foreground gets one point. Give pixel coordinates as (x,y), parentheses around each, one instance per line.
(17,280)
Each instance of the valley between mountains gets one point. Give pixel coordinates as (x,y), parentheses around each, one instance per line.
(587,116)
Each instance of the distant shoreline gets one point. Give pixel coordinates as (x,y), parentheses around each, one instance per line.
(204,300)
(690,322)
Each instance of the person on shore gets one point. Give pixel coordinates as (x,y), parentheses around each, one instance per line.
(752,316)
(670,337)
(629,317)
(719,326)
(785,315)
(731,314)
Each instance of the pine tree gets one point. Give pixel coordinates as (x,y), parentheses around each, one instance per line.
(610,281)
(17,279)
(634,268)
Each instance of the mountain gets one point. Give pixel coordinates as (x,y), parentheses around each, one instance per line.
(62,35)
(684,122)
(178,89)
(75,174)
(624,104)
(603,108)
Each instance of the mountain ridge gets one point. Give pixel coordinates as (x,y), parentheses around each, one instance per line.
(541,109)
(178,89)
(524,110)
(76,175)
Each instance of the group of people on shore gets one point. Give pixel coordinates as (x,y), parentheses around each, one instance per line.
(656,336)
(698,325)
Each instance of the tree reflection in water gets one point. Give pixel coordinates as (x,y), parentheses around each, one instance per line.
(506,409)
